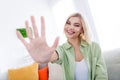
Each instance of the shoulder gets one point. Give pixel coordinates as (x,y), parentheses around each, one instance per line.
(64,46)
(95,49)
(94,45)
(61,48)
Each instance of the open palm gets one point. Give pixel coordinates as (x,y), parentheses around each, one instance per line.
(38,47)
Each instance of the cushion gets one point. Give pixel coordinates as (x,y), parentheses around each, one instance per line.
(112,59)
(29,72)
(55,71)
(43,73)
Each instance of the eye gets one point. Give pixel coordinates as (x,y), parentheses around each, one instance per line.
(77,25)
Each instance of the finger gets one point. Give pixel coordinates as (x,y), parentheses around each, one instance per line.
(55,43)
(21,38)
(42,27)
(29,33)
(34,26)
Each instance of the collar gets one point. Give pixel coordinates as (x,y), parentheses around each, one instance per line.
(67,45)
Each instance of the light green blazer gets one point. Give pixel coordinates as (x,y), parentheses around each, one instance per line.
(92,54)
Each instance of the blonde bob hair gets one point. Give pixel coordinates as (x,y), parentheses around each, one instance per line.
(86,32)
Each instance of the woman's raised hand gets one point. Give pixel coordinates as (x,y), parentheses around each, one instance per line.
(38,47)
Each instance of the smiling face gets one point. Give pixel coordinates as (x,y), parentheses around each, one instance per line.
(73,28)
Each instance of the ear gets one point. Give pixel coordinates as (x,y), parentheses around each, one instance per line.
(82,31)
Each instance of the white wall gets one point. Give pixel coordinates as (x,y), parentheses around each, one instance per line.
(13,13)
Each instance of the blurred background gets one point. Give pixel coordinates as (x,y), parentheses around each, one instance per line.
(102,16)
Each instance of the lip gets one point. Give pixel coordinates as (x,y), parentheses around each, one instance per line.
(70,32)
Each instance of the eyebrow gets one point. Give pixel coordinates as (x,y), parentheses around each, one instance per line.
(77,23)
(74,23)
(67,21)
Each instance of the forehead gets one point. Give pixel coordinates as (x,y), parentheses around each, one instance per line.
(74,20)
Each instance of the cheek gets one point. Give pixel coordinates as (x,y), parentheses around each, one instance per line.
(65,28)
(80,30)
(77,29)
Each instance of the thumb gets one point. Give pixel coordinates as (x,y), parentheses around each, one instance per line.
(54,46)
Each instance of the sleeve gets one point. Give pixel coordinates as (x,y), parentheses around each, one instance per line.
(43,73)
(100,67)
(59,51)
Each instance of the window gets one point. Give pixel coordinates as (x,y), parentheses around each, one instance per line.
(106,15)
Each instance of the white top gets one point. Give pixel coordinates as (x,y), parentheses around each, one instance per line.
(81,70)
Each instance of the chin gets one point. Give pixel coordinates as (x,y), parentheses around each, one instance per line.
(70,37)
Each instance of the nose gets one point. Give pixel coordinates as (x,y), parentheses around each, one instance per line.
(71,27)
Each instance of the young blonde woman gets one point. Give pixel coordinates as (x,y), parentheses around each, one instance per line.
(79,57)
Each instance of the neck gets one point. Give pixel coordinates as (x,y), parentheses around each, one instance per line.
(74,42)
